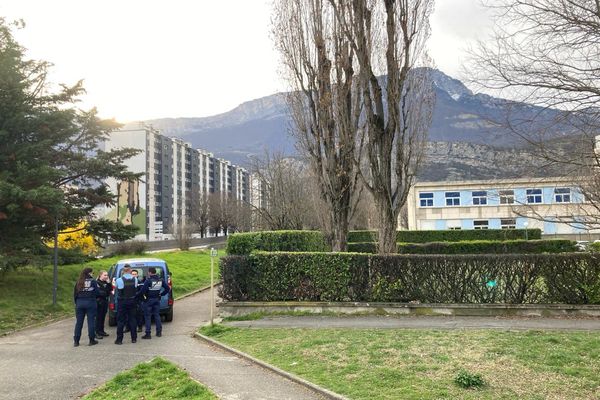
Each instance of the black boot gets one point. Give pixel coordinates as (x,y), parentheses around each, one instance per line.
(147,336)
(93,342)
(75,341)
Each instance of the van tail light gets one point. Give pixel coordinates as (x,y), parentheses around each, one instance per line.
(114,287)
(170,301)
(111,306)
(169,282)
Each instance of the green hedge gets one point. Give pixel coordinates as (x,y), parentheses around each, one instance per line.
(449,235)
(509,278)
(475,247)
(245,243)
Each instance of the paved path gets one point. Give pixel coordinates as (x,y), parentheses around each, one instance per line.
(42,363)
(415,322)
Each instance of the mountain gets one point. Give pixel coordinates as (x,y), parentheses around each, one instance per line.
(461,119)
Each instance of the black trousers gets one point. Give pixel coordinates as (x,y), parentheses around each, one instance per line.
(126,310)
(101,316)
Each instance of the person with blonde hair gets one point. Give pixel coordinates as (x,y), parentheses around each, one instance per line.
(104,288)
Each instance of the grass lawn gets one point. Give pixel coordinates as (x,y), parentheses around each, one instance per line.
(26,294)
(157,379)
(422,364)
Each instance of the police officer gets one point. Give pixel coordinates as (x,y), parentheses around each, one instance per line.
(126,302)
(153,290)
(139,310)
(104,288)
(84,295)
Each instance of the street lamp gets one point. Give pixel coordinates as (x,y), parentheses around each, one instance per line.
(525,224)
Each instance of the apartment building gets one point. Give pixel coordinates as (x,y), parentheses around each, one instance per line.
(544,203)
(174,176)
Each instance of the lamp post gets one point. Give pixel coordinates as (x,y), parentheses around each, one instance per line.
(525,224)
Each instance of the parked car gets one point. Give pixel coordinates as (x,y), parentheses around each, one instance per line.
(141,265)
(582,245)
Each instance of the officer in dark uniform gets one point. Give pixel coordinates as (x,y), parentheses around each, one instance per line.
(139,310)
(126,304)
(153,290)
(84,295)
(104,287)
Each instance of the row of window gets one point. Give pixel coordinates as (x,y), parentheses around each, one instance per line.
(507,223)
(480,197)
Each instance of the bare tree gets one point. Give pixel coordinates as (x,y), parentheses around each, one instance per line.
(547,53)
(388,38)
(183,234)
(283,201)
(215,212)
(319,66)
(200,214)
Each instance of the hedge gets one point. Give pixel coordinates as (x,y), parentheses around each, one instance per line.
(245,243)
(449,235)
(572,278)
(475,247)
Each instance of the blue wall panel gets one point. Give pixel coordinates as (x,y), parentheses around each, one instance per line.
(440,224)
(467,224)
(494,223)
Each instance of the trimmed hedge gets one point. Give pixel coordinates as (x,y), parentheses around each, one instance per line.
(449,235)
(476,247)
(246,243)
(510,278)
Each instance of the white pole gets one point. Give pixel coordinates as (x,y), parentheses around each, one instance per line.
(212,286)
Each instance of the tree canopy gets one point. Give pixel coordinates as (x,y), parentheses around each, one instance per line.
(52,167)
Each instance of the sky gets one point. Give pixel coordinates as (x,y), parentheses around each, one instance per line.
(153,59)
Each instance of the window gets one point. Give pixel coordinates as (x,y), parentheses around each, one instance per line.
(426,199)
(453,224)
(452,198)
(480,224)
(534,196)
(509,223)
(562,195)
(507,196)
(479,198)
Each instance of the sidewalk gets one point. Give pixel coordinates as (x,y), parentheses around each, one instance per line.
(416,322)
(42,363)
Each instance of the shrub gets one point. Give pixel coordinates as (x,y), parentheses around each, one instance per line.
(131,247)
(594,247)
(245,243)
(467,380)
(572,278)
(449,235)
(476,247)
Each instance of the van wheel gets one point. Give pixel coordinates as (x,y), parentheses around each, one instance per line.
(112,321)
(169,316)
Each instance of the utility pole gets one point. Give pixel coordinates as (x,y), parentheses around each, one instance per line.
(55,270)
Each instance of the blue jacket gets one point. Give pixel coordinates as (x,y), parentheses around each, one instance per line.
(89,291)
(154,287)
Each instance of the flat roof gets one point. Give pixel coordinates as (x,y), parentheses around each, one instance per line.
(497,181)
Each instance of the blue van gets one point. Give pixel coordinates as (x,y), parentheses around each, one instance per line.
(141,265)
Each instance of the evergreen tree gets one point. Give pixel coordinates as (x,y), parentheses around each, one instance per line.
(51,165)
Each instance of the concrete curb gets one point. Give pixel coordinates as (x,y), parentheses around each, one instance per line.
(328,394)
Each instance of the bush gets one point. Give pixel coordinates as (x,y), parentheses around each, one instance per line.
(467,380)
(476,247)
(594,247)
(131,247)
(572,278)
(245,243)
(449,235)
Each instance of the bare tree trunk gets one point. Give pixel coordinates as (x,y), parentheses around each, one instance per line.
(319,67)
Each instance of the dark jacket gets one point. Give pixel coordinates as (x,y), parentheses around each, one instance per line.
(89,291)
(104,288)
(154,287)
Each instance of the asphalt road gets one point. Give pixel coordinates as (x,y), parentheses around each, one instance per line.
(42,363)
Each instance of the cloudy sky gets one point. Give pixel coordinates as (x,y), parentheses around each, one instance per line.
(143,59)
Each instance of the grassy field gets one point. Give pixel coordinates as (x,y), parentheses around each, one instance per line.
(422,364)
(26,294)
(157,379)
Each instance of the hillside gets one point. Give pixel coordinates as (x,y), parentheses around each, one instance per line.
(469,140)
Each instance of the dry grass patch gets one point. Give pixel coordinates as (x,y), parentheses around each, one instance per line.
(422,364)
